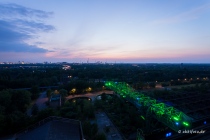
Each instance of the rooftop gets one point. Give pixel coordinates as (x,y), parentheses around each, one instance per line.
(53,128)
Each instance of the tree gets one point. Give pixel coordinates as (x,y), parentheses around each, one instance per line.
(45,113)
(49,93)
(98,104)
(94,129)
(15,121)
(88,109)
(100,136)
(87,129)
(35,92)
(5,98)
(63,94)
(103,96)
(90,130)
(2,123)
(34,109)
(20,100)
(13,105)
(152,85)
(107,129)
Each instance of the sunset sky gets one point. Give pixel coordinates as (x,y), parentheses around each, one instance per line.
(128,31)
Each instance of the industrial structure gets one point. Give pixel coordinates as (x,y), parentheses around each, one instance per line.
(166,114)
(170,116)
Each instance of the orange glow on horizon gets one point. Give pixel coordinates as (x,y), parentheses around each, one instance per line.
(124,55)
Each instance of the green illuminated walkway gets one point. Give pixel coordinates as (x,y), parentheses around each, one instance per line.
(168,115)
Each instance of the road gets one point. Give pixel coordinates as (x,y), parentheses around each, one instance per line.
(41,102)
(103,121)
(90,95)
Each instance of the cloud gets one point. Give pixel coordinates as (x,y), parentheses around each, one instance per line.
(8,32)
(185,16)
(15,10)
(33,26)
(20,47)
(17,26)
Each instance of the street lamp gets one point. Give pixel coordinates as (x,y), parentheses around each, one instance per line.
(73,91)
(88,89)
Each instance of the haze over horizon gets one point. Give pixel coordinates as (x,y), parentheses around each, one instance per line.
(135,31)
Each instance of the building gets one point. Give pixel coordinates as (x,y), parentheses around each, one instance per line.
(53,128)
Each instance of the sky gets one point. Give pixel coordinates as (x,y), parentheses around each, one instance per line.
(121,31)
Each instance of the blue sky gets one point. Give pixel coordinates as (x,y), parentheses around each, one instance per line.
(137,31)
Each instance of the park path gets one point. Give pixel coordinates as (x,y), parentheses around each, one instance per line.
(91,95)
(41,103)
(103,121)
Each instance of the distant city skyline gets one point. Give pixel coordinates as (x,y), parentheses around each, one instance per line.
(122,31)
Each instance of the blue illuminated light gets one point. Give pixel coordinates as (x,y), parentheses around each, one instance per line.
(177,123)
(204,122)
(168,134)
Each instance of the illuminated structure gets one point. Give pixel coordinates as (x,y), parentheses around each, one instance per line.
(170,116)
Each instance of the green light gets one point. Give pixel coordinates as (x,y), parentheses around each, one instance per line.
(175,118)
(162,112)
(186,124)
(143,117)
